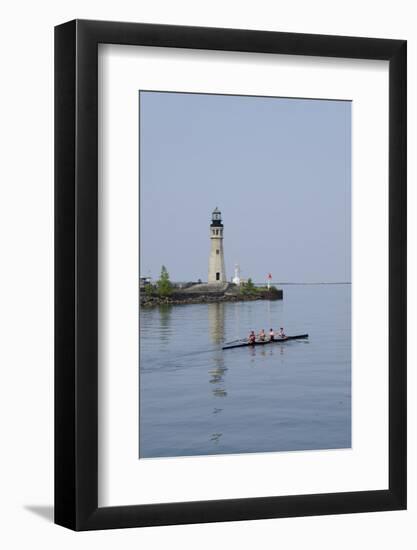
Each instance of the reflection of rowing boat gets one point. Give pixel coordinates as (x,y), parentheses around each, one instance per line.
(263,343)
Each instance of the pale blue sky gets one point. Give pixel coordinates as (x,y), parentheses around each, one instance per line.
(279,170)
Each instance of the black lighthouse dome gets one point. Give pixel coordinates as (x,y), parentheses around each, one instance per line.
(216,218)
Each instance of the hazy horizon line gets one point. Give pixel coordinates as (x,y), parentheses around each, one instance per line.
(314,283)
(273,282)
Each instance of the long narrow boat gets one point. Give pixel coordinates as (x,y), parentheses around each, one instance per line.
(260,343)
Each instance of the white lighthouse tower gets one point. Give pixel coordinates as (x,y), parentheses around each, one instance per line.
(216,272)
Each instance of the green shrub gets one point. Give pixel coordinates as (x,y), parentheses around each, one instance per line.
(149,290)
(163,285)
(248,288)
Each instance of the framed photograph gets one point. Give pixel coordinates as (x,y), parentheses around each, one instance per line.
(230,252)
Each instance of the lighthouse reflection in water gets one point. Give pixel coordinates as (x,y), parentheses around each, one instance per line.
(196,399)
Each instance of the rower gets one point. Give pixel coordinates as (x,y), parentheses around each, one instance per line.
(262,336)
(271,335)
(281,333)
(252,337)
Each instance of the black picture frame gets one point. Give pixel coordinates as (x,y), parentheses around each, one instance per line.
(76,274)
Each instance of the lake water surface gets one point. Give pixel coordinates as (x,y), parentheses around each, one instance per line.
(196,399)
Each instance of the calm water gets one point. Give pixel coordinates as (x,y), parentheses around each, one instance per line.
(196,399)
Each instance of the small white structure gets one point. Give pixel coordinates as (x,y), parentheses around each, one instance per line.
(236,278)
(216,271)
(144,281)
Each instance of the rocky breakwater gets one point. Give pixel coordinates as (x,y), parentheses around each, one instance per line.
(208,293)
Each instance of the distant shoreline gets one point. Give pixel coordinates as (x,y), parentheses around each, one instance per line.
(324,283)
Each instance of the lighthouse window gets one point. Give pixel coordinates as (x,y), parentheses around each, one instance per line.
(217,251)
(217,231)
(217,276)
